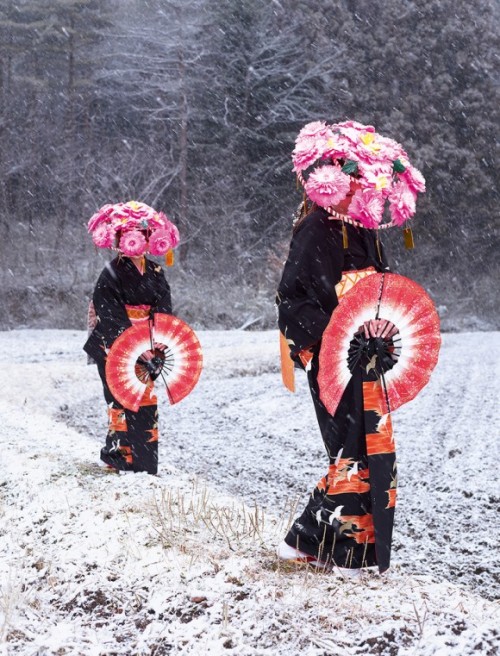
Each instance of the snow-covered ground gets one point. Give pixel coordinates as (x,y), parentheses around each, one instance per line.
(182,563)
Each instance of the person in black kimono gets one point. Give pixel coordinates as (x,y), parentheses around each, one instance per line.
(306,298)
(128,289)
(355,181)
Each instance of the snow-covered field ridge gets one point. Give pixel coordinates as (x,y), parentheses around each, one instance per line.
(100,564)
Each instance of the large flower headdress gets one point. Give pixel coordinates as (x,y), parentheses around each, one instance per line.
(327,157)
(133,228)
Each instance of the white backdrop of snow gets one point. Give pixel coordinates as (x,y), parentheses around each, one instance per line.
(95,563)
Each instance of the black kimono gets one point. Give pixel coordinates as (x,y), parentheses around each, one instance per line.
(121,296)
(337,524)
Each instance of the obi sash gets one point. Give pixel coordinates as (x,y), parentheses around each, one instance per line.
(138,313)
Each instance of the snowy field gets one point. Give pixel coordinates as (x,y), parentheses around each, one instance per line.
(101,564)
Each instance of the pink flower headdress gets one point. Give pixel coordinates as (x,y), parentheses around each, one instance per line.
(326,158)
(134,229)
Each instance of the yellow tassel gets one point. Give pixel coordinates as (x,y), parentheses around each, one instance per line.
(298,182)
(169,258)
(408,237)
(345,240)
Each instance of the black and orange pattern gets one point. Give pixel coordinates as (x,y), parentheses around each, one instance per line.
(349,517)
(123,297)
(132,438)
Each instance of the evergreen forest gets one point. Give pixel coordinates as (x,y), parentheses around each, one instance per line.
(193,106)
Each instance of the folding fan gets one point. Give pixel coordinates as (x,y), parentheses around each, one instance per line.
(177,360)
(386,296)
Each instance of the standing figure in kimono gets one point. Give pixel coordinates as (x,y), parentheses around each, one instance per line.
(129,290)
(348,172)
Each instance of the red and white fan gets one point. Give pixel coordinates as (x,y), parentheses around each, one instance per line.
(178,360)
(397,299)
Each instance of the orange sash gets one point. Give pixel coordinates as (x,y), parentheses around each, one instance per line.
(137,312)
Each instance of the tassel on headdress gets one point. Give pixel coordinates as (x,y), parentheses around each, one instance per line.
(169,258)
(408,237)
(345,240)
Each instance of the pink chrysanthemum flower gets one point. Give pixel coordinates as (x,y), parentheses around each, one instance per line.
(351,135)
(160,242)
(367,207)
(327,186)
(402,203)
(137,210)
(378,177)
(118,217)
(312,143)
(128,223)
(380,165)
(337,147)
(163,222)
(306,152)
(103,236)
(158,220)
(101,216)
(369,149)
(390,150)
(314,129)
(355,125)
(174,234)
(133,243)
(351,132)
(132,215)
(413,178)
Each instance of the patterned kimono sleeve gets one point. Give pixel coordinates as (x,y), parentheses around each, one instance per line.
(306,294)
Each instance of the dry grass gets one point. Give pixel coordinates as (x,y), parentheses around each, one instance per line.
(201,525)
